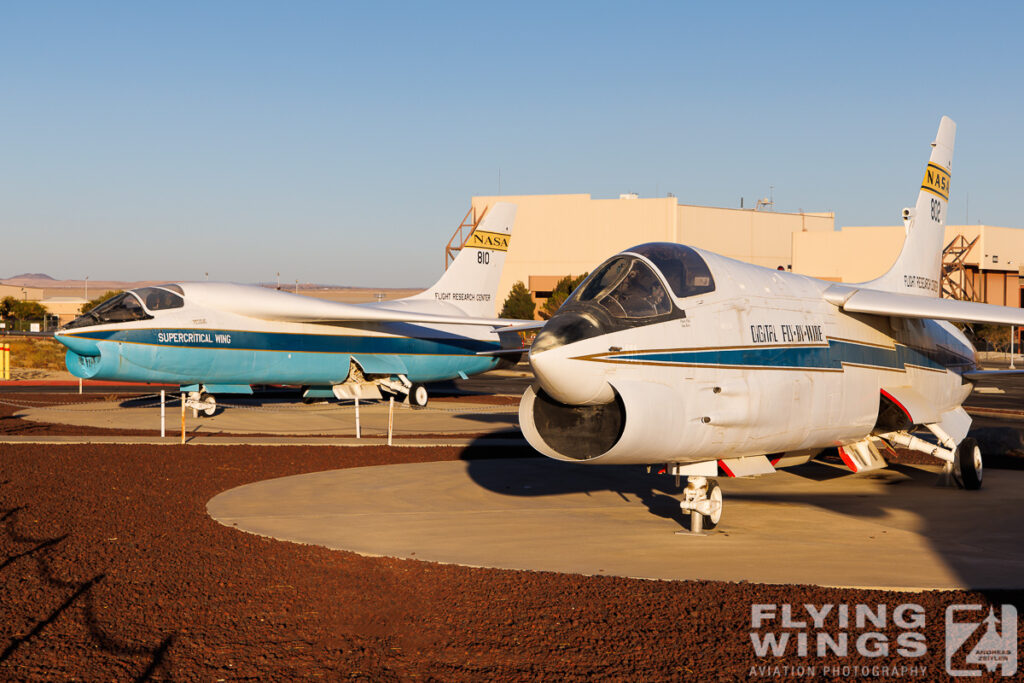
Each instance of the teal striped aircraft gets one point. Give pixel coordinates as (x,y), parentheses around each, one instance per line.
(215,338)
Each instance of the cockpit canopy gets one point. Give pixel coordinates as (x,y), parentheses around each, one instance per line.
(683,268)
(627,288)
(625,291)
(135,304)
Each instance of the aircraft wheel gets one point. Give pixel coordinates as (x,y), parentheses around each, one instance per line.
(967,465)
(418,395)
(715,498)
(209,405)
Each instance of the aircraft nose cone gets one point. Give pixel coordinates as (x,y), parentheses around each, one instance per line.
(83,347)
(563,376)
(566,328)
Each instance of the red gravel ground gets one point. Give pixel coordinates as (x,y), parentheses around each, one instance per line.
(112,570)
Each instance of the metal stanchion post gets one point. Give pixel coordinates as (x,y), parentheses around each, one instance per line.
(1013,333)
(182,417)
(391,416)
(357,420)
(163,413)
(79,385)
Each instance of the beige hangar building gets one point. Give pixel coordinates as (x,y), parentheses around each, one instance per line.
(569,234)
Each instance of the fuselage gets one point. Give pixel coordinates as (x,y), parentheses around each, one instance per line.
(750,361)
(215,333)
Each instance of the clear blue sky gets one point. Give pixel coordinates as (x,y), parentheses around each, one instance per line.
(341,142)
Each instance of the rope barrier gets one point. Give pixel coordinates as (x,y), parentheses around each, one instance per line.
(153,401)
(41,405)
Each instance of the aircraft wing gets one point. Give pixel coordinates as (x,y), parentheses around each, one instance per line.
(875,302)
(978,375)
(269,304)
(340,312)
(524,325)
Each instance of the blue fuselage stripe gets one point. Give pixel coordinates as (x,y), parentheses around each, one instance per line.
(831,357)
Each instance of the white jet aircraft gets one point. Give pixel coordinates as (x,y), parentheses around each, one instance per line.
(222,338)
(675,355)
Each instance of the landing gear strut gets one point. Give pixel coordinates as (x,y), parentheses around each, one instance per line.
(961,463)
(702,498)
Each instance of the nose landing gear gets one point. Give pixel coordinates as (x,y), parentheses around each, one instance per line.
(702,498)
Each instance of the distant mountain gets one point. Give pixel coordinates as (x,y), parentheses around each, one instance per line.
(31,276)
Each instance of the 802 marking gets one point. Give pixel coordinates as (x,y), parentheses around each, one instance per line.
(936,210)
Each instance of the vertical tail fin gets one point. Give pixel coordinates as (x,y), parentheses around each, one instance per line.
(918,269)
(471,281)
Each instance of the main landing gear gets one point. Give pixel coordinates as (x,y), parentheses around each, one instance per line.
(418,396)
(962,462)
(967,467)
(702,498)
(202,403)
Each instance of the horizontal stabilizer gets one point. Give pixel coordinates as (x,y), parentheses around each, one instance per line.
(875,302)
(504,352)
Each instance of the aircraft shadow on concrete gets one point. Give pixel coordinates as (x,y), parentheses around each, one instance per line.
(658,492)
(534,477)
(490,418)
(961,549)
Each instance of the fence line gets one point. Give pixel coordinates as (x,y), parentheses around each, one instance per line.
(154,401)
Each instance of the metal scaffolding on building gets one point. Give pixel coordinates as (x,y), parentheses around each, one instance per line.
(957,281)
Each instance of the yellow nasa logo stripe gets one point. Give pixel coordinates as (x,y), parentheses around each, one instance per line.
(481,239)
(936,181)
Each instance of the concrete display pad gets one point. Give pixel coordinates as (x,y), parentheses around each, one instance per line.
(239,415)
(816,524)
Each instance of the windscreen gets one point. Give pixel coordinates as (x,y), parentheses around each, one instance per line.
(623,293)
(626,287)
(124,307)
